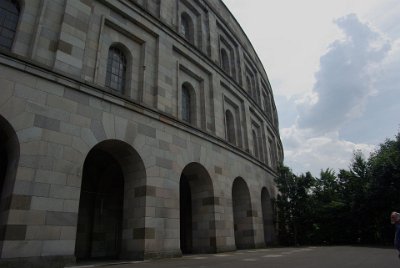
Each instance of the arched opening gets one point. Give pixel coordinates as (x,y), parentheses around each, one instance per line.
(225,62)
(187,27)
(116,69)
(9,17)
(188,103)
(230,127)
(197,220)
(109,205)
(9,156)
(242,215)
(268,223)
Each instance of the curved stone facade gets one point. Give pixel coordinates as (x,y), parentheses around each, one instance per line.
(131,130)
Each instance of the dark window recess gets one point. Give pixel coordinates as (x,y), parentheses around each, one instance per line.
(230,124)
(116,70)
(186,104)
(225,62)
(9,16)
(187,28)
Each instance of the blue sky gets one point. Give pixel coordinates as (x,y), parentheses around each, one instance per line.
(335,71)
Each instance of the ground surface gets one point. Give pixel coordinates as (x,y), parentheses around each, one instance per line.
(308,257)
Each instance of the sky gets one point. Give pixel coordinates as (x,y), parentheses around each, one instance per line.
(334,67)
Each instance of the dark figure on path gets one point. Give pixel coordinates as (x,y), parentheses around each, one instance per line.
(395,219)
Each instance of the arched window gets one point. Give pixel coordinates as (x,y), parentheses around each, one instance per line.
(187,28)
(116,69)
(187,103)
(9,16)
(249,85)
(266,105)
(230,127)
(272,155)
(256,92)
(255,144)
(225,62)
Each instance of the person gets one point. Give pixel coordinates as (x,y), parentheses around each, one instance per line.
(395,219)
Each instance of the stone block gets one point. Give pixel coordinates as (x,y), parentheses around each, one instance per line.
(61,218)
(145,191)
(50,87)
(26,217)
(47,123)
(29,134)
(109,125)
(14,232)
(64,192)
(144,233)
(218,170)
(20,202)
(22,121)
(71,206)
(178,141)
(147,130)
(50,177)
(68,233)
(57,137)
(65,47)
(77,97)
(24,248)
(89,112)
(164,163)
(6,92)
(58,247)
(43,232)
(97,130)
(31,188)
(80,120)
(25,174)
(74,180)
(62,103)
(30,93)
(46,203)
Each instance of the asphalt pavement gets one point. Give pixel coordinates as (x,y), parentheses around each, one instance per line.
(305,257)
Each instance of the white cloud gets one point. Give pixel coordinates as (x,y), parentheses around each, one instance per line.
(307,152)
(344,84)
(344,80)
(290,36)
(336,88)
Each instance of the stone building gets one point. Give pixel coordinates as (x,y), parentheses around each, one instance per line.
(131,129)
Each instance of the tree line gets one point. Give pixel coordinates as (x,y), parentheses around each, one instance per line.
(350,207)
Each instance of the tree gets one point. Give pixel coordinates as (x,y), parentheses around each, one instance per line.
(330,210)
(352,207)
(293,206)
(355,185)
(384,168)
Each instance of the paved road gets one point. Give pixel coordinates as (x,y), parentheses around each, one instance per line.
(308,257)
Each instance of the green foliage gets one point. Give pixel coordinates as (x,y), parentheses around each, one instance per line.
(351,207)
(294,206)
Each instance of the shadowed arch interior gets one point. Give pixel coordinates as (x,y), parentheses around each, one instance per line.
(197,208)
(267,211)
(242,215)
(9,157)
(112,203)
